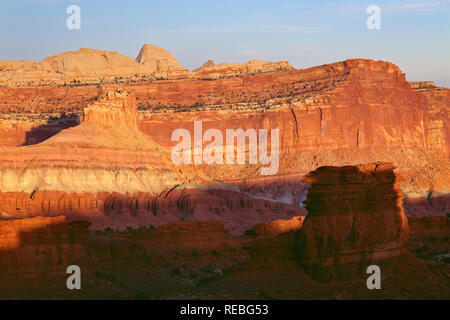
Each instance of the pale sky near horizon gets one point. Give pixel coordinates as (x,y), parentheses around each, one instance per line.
(415,35)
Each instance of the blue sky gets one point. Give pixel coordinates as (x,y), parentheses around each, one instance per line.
(414,34)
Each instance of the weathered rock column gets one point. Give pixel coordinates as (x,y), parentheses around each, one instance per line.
(355,219)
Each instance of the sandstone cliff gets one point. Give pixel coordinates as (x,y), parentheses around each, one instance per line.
(108,172)
(355,219)
(355,111)
(116,109)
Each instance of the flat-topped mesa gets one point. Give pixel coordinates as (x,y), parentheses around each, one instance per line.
(116,109)
(161,62)
(355,219)
(211,71)
(417,85)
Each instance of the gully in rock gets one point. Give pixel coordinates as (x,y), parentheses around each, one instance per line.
(213,153)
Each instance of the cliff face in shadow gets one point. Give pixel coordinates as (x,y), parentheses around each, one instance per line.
(355,219)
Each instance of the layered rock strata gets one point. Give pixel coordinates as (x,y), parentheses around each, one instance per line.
(209,70)
(108,172)
(344,113)
(355,219)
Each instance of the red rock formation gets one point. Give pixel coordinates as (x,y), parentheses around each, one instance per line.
(105,209)
(211,71)
(107,172)
(116,109)
(349,112)
(114,169)
(438,109)
(161,62)
(355,219)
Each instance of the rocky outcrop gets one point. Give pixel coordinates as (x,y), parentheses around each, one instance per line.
(438,110)
(355,219)
(26,72)
(161,62)
(117,108)
(86,63)
(206,65)
(209,70)
(417,85)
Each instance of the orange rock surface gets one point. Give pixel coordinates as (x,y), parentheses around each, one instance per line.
(209,70)
(116,109)
(118,159)
(161,62)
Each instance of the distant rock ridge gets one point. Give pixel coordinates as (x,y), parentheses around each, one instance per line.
(212,71)
(422,84)
(160,61)
(91,66)
(89,62)
(207,64)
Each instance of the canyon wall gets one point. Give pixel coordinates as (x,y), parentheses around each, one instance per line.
(116,162)
(108,172)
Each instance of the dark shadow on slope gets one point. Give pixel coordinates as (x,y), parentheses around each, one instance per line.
(53,126)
